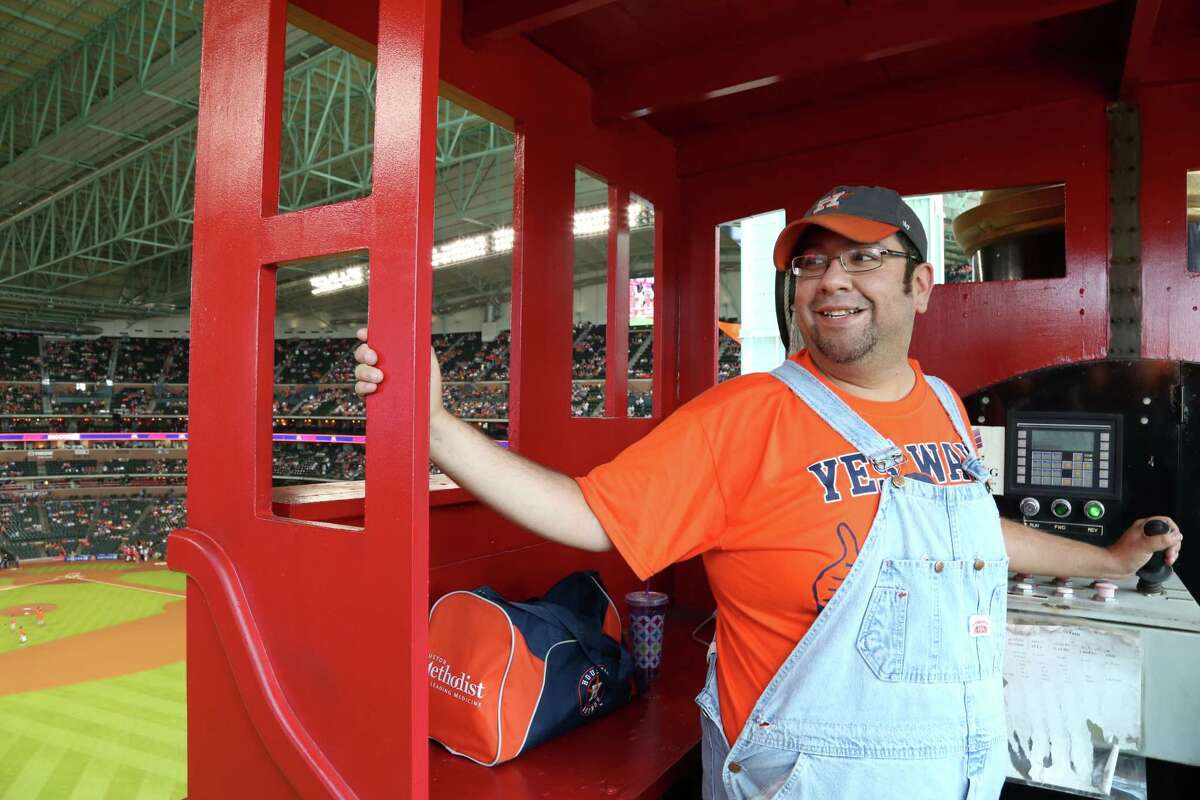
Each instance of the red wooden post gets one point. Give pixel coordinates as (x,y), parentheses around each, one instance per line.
(616,369)
(305,680)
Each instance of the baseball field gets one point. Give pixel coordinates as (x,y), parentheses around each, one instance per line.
(92,704)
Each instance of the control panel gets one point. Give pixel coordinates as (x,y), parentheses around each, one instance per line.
(1084,450)
(1064,467)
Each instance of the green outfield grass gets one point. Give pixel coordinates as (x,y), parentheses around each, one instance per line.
(121,738)
(82,607)
(162,579)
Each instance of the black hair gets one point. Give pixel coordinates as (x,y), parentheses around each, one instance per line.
(914,258)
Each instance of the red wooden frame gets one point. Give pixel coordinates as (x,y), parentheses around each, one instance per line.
(307,610)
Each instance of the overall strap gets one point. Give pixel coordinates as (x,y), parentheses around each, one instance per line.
(883,454)
(973,465)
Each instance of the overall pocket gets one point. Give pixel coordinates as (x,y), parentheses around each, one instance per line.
(935,621)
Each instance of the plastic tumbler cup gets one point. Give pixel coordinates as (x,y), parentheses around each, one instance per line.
(647,613)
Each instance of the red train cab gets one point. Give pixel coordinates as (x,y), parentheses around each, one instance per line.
(1049,150)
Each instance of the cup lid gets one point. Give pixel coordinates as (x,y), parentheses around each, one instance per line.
(644,598)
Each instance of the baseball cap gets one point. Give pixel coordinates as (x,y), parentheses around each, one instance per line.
(860,213)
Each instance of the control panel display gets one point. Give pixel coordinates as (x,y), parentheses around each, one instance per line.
(1065,454)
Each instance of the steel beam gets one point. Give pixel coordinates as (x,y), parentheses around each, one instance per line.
(121,50)
(130,214)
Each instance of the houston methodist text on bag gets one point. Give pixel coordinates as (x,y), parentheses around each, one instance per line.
(505,676)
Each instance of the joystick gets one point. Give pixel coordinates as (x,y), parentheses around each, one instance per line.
(1155,571)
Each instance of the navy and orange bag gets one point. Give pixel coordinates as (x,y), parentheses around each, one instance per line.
(507,676)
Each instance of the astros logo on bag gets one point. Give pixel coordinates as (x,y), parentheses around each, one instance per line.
(591,690)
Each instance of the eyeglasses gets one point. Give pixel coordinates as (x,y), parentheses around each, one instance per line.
(857,259)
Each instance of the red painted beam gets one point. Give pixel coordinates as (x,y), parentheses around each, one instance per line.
(858,36)
(486,20)
(955,97)
(1141,33)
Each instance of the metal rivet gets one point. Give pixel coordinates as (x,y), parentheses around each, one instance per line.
(978,564)
(898,481)
(939,566)
(735,767)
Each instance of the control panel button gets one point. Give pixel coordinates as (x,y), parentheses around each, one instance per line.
(1030,506)
(1061,508)
(1093,509)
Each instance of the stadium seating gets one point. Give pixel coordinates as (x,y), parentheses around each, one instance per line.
(729,359)
(142,360)
(148,392)
(20,399)
(85,360)
(19,359)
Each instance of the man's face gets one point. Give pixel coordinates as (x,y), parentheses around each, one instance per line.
(855,318)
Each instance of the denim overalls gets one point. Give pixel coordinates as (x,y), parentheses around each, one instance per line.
(895,691)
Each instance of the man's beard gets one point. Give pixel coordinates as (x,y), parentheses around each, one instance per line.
(843,350)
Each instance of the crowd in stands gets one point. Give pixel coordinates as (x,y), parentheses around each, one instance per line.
(477,400)
(641,353)
(466,357)
(312,360)
(729,359)
(587,400)
(172,401)
(66,404)
(20,399)
(17,469)
(132,401)
(330,402)
(85,360)
(52,528)
(177,369)
(300,365)
(331,462)
(142,360)
(641,404)
(589,350)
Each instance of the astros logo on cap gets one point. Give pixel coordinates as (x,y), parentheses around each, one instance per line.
(829,201)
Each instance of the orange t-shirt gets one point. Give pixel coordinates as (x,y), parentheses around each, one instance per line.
(777,503)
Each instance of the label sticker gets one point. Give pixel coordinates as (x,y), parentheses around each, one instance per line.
(981,625)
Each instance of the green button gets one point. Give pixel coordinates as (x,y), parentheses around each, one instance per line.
(1093,509)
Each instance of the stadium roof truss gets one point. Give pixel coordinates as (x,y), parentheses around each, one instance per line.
(97,158)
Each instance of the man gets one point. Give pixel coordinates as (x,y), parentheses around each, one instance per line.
(847,665)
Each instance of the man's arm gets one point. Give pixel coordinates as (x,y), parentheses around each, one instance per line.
(1039,553)
(541,500)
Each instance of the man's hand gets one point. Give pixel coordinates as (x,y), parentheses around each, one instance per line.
(1134,548)
(368,376)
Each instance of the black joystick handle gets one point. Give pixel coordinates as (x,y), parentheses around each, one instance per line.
(1154,571)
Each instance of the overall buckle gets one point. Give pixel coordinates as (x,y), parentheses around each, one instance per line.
(887,462)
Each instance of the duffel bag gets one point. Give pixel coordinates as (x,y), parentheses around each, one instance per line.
(506,676)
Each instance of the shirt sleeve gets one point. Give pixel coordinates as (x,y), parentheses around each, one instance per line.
(660,500)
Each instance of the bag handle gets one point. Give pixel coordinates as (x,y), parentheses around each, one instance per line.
(594,643)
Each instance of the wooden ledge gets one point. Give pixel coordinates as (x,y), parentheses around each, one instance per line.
(637,752)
